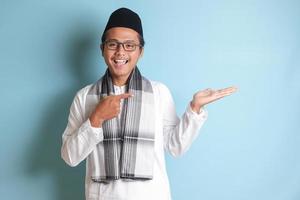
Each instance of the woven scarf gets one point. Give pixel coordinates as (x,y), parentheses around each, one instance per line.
(127,150)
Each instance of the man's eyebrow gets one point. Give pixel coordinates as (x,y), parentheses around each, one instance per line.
(129,41)
(112,39)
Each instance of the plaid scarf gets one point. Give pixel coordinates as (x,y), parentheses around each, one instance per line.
(127,150)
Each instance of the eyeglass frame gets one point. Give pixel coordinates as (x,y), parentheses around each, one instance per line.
(121,43)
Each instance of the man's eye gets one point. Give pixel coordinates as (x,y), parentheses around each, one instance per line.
(111,44)
(129,46)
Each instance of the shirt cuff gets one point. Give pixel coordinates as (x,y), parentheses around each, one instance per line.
(95,134)
(202,115)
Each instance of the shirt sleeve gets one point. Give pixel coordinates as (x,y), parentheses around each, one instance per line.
(79,138)
(179,133)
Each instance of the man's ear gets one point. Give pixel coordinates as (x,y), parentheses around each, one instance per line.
(142,52)
(102,49)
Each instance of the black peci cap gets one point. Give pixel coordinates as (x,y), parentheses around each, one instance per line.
(124,17)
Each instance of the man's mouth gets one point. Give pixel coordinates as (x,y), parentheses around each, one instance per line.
(120,61)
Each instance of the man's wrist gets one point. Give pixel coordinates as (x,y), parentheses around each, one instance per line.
(196,108)
(95,121)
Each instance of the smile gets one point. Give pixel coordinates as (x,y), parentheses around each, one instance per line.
(120,62)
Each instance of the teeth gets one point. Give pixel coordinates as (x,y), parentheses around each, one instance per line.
(120,61)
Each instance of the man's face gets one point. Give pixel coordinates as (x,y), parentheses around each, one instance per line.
(119,61)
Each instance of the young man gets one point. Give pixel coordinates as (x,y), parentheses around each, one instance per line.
(123,123)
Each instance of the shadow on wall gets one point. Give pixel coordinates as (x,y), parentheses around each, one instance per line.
(44,157)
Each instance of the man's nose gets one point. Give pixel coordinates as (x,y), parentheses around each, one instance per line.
(120,47)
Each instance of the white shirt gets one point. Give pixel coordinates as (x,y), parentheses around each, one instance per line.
(171,134)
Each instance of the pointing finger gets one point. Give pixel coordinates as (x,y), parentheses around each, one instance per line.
(124,96)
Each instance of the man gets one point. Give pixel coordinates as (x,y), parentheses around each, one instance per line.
(123,123)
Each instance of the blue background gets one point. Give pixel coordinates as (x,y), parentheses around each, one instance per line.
(249,147)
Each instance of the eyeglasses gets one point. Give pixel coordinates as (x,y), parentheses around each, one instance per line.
(127,46)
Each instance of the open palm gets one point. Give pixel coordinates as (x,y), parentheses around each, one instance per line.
(207,96)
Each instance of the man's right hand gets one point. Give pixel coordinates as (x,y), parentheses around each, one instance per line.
(108,108)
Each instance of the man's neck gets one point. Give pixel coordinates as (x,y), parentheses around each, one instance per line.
(119,81)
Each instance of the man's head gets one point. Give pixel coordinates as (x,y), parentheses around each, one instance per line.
(122,43)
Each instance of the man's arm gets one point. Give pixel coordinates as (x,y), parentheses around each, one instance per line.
(82,135)
(79,137)
(179,133)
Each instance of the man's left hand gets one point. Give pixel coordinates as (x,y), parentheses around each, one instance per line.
(207,96)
